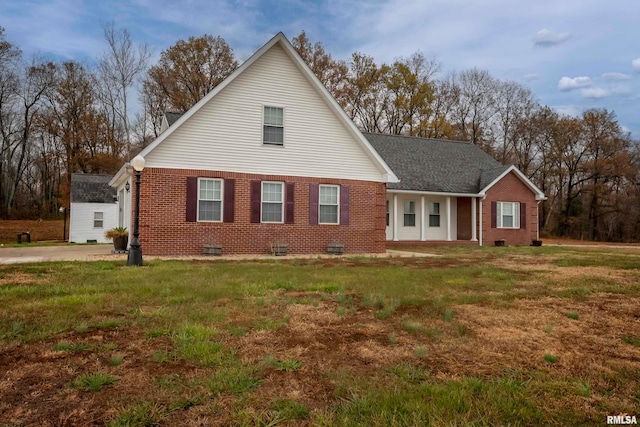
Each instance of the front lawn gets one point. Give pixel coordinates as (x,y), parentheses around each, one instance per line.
(493,336)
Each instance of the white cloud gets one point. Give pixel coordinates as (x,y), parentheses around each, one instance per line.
(546,38)
(594,93)
(636,64)
(568,110)
(616,76)
(568,83)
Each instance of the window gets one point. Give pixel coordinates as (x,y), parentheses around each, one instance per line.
(98,219)
(273,131)
(434,214)
(210,200)
(328,204)
(508,214)
(409,214)
(387,213)
(272,202)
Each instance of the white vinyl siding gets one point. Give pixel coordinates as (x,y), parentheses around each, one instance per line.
(329,204)
(81,221)
(272,202)
(210,200)
(273,127)
(226,133)
(508,215)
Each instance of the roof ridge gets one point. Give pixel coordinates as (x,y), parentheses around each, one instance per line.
(419,137)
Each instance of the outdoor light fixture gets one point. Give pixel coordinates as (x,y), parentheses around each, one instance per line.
(135,251)
(127,186)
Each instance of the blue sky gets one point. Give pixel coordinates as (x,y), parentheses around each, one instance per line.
(573,54)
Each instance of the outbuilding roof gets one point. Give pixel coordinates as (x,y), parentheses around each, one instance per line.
(91,188)
(436,165)
(172,116)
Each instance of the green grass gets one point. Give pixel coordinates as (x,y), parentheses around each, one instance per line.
(71,347)
(141,414)
(94,381)
(115,360)
(632,340)
(204,328)
(573,315)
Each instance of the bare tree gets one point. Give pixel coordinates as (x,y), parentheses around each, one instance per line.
(473,92)
(119,67)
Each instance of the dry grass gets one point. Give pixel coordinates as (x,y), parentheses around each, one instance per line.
(44,230)
(468,340)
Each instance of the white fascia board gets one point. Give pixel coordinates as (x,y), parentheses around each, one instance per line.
(539,194)
(434,193)
(387,174)
(211,94)
(123,174)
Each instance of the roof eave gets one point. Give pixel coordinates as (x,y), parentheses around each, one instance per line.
(123,174)
(387,175)
(538,193)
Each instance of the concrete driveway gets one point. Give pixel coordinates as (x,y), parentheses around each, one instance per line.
(54,253)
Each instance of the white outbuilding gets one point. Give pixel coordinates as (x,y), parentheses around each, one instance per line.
(94,208)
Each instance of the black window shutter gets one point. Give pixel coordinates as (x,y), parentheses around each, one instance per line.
(523,215)
(289,203)
(229,199)
(256,191)
(344,205)
(314,194)
(494,208)
(192,198)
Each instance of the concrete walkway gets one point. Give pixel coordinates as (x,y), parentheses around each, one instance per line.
(103,252)
(53,253)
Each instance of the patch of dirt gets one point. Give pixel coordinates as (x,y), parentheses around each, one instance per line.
(19,279)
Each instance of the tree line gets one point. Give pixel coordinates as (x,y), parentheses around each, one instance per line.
(58,118)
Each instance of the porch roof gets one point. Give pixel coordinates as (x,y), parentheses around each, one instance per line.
(436,165)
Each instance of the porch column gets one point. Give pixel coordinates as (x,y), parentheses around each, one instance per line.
(448,218)
(481,220)
(474,219)
(395,218)
(423,233)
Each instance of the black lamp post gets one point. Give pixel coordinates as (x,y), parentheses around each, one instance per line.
(64,224)
(135,251)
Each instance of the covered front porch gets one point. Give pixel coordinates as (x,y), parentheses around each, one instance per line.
(433,217)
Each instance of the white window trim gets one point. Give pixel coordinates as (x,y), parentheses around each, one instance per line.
(101,219)
(515,208)
(320,204)
(282,202)
(404,212)
(273,144)
(221,200)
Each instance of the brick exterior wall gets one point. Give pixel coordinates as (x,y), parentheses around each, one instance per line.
(510,189)
(165,231)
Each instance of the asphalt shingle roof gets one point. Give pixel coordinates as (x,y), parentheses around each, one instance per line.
(172,117)
(436,165)
(90,188)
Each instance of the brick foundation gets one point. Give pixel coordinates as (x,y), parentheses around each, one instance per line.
(165,231)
